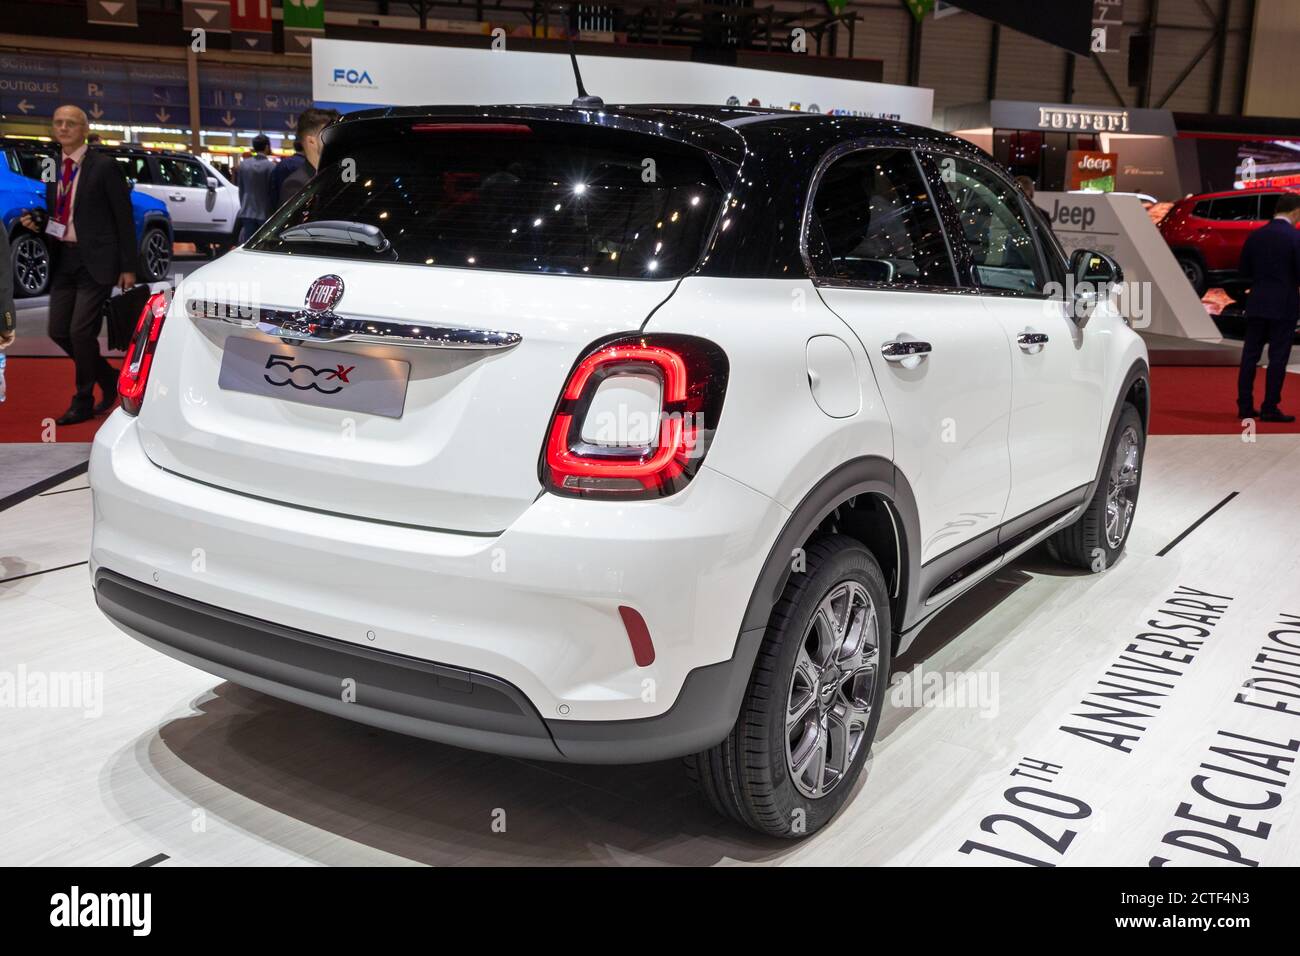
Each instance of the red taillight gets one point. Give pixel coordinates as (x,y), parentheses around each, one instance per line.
(133,378)
(691,379)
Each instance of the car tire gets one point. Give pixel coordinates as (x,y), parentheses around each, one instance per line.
(1194,269)
(1096,540)
(789,777)
(155,254)
(30,261)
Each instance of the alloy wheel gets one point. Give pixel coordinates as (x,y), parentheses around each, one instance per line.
(31,264)
(832,689)
(1122,486)
(157,254)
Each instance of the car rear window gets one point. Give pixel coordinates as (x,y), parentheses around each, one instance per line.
(516,197)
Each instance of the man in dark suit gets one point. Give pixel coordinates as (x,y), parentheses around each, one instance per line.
(91,235)
(1271,261)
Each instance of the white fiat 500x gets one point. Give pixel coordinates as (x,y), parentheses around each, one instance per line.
(611,435)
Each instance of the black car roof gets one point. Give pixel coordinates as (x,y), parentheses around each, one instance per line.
(771,158)
(725,131)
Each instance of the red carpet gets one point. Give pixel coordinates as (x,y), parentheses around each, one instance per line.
(1186,400)
(38,389)
(1196,400)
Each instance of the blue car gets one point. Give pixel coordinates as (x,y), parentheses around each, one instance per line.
(21,189)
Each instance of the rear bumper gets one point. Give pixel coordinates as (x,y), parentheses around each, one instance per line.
(424,699)
(532,614)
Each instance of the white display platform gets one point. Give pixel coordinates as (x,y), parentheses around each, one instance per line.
(1119,226)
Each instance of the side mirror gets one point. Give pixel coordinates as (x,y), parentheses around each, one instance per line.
(212,184)
(130,183)
(1093,273)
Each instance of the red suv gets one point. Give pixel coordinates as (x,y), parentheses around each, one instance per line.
(1206,232)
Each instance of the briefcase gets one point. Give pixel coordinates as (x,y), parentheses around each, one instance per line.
(122,313)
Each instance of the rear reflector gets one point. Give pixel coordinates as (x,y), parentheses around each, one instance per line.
(638,635)
(134,377)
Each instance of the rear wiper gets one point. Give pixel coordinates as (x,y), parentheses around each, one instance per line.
(338,231)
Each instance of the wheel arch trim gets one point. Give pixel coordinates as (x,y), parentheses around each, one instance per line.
(870,475)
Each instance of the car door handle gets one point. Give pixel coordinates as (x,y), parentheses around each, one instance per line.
(175,198)
(1031,342)
(908,353)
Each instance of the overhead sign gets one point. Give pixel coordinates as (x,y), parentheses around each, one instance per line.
(1064,118)
(210,15)
(1107,19)
(250,24)
(355,74)
(113,13)
(303,20)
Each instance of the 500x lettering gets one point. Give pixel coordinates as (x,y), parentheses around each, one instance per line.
(286,364)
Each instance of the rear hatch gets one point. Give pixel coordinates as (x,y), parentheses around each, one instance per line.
(398,355)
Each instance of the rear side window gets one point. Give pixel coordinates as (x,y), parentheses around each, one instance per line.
(135,168)
(873,221)
(1268,205)
(1001,245)
(1235,209)
(181,172)
(515,197)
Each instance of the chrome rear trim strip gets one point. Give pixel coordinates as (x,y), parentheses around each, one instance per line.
(327,327)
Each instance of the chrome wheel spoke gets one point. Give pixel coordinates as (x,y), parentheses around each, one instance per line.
(1121,487)
(832,687)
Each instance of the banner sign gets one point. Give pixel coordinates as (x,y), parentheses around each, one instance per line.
(1063,23)
(152,94)
(1089,169)
(352,74)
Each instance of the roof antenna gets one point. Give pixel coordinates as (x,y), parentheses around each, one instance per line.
(583,99)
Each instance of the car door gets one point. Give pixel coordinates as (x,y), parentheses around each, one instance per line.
(1235,218)
(1057,367)
(187,195)
(225,199)
(881,261)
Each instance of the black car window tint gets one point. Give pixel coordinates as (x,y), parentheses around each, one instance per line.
(873,221)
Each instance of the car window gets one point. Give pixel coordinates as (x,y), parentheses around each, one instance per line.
(31,163)
(1002,248)
(1235,209)
(1202,209)
(135,167)
(1058,260)
(872,220)
(518,197)
(1268,205)
(181,172)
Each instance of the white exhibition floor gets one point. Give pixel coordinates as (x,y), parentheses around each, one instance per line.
(178,767)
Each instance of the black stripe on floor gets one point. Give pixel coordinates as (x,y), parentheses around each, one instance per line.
(153,860)
(63,491)
(1196,524)
(32,574)
(45,484)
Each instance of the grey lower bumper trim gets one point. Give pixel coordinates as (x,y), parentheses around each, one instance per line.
(407,695)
